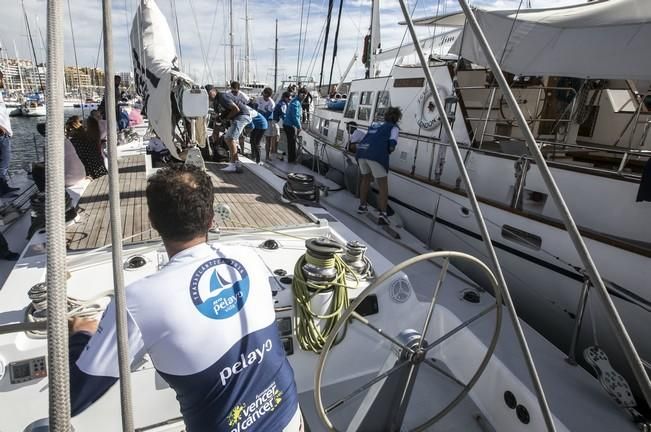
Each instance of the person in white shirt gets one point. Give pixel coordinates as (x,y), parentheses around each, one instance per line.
(236,95)
(5,144)
(266,107)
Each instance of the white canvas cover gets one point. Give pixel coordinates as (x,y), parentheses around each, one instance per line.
(154,63)
(606,39)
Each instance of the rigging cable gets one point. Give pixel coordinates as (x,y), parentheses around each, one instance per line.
(335,43)
(325,41)
(203,51)
(74,50)
(508,38)
(307,23)
(312,64)
(178,35)
(300,34)
(31,41)
(210,44)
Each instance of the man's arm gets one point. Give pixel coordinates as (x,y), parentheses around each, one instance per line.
(94,357)
(233,111)
(84,389)
(393,138)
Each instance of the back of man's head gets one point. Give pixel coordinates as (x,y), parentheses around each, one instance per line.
(235,85)
(180,200)
(287,95)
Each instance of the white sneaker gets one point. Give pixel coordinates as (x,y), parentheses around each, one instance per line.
(230,168)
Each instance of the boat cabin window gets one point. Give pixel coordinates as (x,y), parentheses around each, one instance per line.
(365,106)
(383,102)
(351,106)
(324,127)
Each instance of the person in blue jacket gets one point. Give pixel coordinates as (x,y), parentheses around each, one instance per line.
(259,126)
(280,111)
(292,125)
(373,159)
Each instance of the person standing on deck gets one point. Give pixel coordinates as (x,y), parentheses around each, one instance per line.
(292,126)
(373,159)
(239,115)
(5,157)
(280,112)
(266,106)
(236,95)
(259,126)
(5,144)
(102,106)
(206,319)
(306,102)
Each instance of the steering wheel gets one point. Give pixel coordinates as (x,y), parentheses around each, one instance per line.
(415,348)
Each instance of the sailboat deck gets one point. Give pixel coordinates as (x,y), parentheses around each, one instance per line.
(253,204)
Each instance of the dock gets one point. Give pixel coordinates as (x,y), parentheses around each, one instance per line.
(253,204)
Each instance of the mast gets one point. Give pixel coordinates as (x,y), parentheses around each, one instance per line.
(375,38)
(230,38)
(276,58)
(31,42)
(247,42)
(20,72)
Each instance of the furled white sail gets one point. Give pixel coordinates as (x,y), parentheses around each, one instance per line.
(606,39)
(155,69)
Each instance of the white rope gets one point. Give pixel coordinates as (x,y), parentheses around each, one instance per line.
(57,327)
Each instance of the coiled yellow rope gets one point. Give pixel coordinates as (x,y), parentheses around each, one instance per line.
(311,328)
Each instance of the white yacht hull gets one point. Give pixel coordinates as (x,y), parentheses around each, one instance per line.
(545,282)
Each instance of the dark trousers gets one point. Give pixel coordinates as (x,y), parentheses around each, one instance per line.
(255,137)
(290,131)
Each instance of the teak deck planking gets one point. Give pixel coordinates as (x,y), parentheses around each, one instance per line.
(253,204)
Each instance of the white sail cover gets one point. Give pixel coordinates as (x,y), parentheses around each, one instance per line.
(154,63)
(606,39)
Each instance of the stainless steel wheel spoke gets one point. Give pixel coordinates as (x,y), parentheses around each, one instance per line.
(428,318)
(366,386)
(381,332)
(433,365)
(460,327)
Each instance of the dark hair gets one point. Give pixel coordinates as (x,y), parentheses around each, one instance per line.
(180,200)
(92,131)
(393,114)
(235,85)
(268,91)
(287,95)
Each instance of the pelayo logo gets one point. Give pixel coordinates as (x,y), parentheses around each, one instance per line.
(217,297)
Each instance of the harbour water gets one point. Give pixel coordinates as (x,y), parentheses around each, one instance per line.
(27,144)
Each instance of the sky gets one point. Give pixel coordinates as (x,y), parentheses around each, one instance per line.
(202,28)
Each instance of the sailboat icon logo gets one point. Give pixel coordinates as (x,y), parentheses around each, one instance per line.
(228,291)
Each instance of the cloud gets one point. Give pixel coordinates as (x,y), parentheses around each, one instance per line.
(203,32)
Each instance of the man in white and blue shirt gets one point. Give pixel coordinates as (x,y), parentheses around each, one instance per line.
(206,320)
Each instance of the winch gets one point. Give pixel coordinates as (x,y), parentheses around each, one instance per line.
(301,188)
(319,260)
(320,290)
(356,260)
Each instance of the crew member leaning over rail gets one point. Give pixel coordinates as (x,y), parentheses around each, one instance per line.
(373,158)
(206,320)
